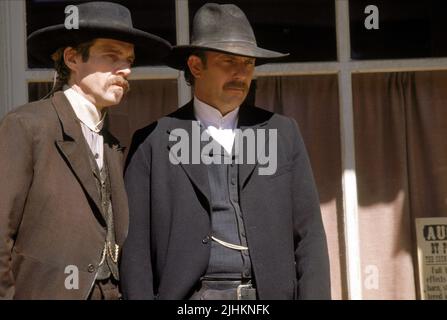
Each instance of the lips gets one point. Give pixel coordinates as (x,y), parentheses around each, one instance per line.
(121,82)
(235,85)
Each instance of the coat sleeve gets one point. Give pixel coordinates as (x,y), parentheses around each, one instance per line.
(16,171)
(136,266)
(311,253)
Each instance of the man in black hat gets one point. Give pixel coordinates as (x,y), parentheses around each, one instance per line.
(63,208)
(206,221)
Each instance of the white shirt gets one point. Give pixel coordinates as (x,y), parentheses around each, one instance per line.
(91,122)
(220,128)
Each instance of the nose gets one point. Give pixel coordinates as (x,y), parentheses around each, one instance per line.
(242,70)
(124,71)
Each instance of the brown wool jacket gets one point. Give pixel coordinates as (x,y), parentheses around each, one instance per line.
(50,217)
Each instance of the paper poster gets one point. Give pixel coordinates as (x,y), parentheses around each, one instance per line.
(432,257)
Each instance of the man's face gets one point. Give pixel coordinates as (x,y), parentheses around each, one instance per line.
(224,81)
(102,79)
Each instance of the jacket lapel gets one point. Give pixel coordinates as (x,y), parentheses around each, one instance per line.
(114,157)
(196,172)
(250,120)
(73,147)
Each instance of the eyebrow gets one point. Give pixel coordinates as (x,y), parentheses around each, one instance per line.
(231,56)
(109,48)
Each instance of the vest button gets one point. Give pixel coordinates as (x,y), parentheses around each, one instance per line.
(206,240)
(91,268)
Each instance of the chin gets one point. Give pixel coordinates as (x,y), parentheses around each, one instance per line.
(114,98)
(110,102)
(234,103)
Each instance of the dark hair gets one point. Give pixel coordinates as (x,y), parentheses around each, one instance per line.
(63,71)
(188,75)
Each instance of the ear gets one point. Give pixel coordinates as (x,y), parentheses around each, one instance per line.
(195,66)
(71,58)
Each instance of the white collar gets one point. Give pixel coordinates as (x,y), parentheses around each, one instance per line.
(85,110)
(209,116)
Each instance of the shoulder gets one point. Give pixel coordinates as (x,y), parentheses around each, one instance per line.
(34,109)
(273,120)
(157,129)
(151,132)
(149,136)
(286,128)
(32,115)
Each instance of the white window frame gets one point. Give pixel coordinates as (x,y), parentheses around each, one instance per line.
(15,77)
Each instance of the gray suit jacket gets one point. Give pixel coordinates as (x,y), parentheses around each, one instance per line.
(167,249)
(50,211)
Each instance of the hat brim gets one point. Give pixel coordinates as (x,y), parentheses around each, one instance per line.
(179,54)
(149,48)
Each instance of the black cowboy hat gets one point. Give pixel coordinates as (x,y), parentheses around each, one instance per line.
(222,28)
(97,20)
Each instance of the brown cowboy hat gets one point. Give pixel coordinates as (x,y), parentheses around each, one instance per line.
(223,28)
(97,20)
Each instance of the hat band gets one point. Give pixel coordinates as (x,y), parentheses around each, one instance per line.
(225,42)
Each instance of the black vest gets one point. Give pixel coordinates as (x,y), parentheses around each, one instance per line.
(109,256)
(227,221)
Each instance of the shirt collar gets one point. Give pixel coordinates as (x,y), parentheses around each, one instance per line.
(85,110)
(209,116)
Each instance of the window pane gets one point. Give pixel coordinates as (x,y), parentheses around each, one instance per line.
(303,28)
(407,29)
(312,100)
(155,16)
(400,123)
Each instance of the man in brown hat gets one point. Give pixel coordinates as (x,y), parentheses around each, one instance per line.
(207,222)
(63,207)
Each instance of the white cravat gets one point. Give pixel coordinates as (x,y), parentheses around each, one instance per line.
(91,122)
(220,128)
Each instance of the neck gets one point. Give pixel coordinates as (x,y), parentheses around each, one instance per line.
(226,111)
(78,89)
(223,109)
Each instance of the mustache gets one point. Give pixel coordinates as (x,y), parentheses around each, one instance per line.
(236,85)
(120,81)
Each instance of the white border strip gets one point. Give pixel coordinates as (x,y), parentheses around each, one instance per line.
(279,69)
(138,73)
(398,65)
(13,64)
(6,79)
(349,183)
(182,26)
(363,66)
(294,69)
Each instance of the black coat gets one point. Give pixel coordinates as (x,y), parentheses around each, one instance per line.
(167,249)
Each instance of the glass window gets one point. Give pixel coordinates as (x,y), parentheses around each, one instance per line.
(312,100)
(303,28)
(155,16)
(407,29)
(400,123)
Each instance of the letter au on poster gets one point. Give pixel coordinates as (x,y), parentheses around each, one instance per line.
(432,257)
